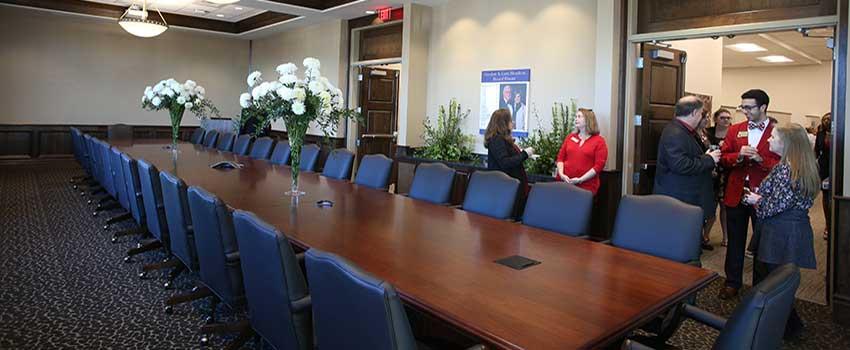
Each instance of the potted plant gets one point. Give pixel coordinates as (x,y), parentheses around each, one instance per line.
(177,98)
(548,143)
(445,140)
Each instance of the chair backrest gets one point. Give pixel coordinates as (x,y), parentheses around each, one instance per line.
(180,230)
(759,320)
(93,145)
(262,148)
(350,307)
(215,239)
(134,188)
(197,136)
(659,225)
(559,207)
(152,198)
(75,144)
(338,165)
(108,182)
(83,153)
(374,171)
(210,138)
(274,284)
(117,132)
(242,145)
(309,157)
(118,178)
(491,193)
(225,142)
(433,183)
(280,155)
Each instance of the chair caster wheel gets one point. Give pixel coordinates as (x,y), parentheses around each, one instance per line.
(75,187)
(94,214)
(143,275)
(205,341)
(169,310)
(128,259)
(114,240)
(106,227)
(88,201)
(167,285)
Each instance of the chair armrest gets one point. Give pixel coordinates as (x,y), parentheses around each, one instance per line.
(232,257)
(704,317)
(302,304)
(633,345)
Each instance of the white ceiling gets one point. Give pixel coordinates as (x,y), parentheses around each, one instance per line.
(195,8)
(791,44)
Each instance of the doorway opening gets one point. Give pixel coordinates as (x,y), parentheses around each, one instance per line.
(795,68)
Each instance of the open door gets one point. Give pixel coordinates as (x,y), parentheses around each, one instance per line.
(379,107)
(660,82)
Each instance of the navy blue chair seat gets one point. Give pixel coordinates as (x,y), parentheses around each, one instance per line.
(309,157)
(242,145)
(280,155)
(559,207)
(262,148)
(491,193)
(279,304)
(433,183)
(338,165)
(374,171)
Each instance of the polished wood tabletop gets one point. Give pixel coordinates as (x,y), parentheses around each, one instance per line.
(583,295)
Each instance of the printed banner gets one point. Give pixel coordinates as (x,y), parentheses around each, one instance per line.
(508,89)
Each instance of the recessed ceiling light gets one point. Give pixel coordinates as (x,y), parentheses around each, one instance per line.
(223,2)
(745,47)
(371,12)
(200,12)
(775,59)
(237,8)
(219,15)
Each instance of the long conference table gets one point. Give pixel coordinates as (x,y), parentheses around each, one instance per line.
(441,259)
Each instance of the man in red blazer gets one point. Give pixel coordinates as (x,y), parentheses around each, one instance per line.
(745,152)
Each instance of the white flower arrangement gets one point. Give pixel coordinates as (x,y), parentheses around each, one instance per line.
(177,98)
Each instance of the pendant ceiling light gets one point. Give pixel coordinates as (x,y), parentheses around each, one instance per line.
(137,22)
(223,2)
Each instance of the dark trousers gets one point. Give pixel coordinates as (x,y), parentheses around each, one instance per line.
(737,221)
(760,272)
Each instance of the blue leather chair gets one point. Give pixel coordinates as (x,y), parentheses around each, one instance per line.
(262,148)
(197,136)
(93,150)
(210,139)
(219,260)
(155,221)
(559,207)
(107,180)
(120,188)
(338,165)
(309,157)
(225,142)
(433,183)
(242,145)
(491,193)
(758,322)
(374,171)
(180,231)
(278,300)
(643,224)
(353,309)
(280,155)
(134,196)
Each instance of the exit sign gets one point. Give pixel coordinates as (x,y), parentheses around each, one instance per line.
(385,13)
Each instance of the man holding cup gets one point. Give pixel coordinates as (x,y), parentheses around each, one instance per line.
(747,156)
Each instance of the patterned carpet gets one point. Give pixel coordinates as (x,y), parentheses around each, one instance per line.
(64,285)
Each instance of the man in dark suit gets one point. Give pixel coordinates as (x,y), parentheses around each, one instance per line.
(684,167)
(748,159)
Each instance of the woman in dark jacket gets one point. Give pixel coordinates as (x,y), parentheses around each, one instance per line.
(823,146)
(503,154)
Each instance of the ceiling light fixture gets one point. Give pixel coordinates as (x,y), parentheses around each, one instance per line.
(237,8)
(136,21)
(219,15)
(371,12)
(745,47)
(775,59)
(223,2)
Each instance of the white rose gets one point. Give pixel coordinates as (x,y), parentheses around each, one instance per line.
(254,78)
(312,63)
(288,79)
(181,100)
(156,101)
(316,87)
(245,100)
(188,105)
(287,69)
(298,108)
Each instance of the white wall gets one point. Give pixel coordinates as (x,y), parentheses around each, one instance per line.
(798,90)
(704,67)
(326,41)
(556,39)
(61,69)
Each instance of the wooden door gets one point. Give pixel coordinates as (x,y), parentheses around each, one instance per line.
(379,107)
(661,82)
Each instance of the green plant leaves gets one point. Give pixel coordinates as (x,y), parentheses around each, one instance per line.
(445,140)
(548,143)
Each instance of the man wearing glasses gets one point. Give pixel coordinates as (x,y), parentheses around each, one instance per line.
(746,155)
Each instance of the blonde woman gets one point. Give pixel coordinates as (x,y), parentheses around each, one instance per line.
(782,207)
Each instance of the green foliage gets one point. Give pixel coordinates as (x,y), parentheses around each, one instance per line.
(548,143)
(445,140)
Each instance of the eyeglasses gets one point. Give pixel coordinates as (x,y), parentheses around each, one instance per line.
(751,107)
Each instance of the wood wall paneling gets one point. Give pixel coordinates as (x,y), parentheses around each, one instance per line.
(666,15)
(383,42)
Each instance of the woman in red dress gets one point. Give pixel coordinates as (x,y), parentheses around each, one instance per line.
(583,154)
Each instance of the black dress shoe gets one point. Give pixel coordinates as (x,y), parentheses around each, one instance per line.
(728,293)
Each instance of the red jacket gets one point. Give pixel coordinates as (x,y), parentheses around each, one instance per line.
(578,160)
(736,138)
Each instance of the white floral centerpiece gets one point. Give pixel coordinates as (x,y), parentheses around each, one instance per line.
(177,98)
(298,102)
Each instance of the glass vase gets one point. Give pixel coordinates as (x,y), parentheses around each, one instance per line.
(176,115)
(296,133)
